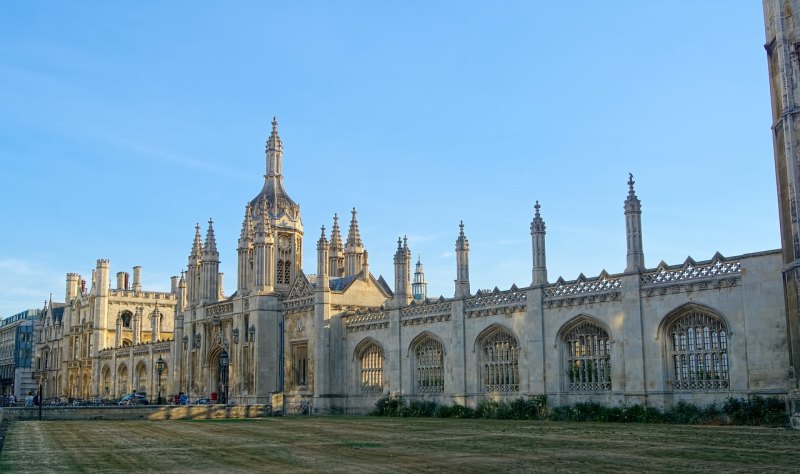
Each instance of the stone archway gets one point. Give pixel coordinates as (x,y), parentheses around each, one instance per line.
(216,378)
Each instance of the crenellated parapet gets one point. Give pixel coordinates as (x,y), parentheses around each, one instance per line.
(367,320)
(583,290)
(486,303)
(718,272)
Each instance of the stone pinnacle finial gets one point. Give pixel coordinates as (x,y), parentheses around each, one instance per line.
(274,141)
(197,245)
(461,227)
(537,226)
(336,235)
(353,235)
(630,181)
(211,242)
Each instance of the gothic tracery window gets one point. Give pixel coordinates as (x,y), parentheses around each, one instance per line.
(500,362)
(429,365)
(698,352)
(371,359)
(587,358)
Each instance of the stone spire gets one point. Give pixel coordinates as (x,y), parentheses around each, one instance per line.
(354,249)
(419,288)
(462,264)
(197,245)
(322,261)
(210,246)
(274,151)
(336,255)
(633,227)
(210,267)
(353,236)
(274,142)
(336,235)
(537,241)
(400,272)
(245,237)
(193,274)
(245,251)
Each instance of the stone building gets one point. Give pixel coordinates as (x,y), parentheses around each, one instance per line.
(105,341)
(339,338)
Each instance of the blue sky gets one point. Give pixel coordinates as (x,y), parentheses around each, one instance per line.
(123,124)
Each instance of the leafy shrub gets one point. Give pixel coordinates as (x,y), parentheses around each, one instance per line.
(453,411)
(421,408)
(684,413)
(390,406)
(756,411)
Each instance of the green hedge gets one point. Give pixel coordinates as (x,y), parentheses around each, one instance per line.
(754,411)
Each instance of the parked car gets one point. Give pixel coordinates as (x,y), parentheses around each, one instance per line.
(134,399)
(203,401)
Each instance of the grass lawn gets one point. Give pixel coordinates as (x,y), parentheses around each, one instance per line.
(371,444)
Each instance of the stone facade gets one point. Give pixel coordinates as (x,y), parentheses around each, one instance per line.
(105,341)
(339,338)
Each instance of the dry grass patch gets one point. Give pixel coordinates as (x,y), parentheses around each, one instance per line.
(369,444)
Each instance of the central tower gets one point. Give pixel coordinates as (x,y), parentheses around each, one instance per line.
(270,247)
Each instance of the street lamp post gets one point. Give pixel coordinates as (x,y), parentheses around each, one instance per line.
(160,370)
(223,376)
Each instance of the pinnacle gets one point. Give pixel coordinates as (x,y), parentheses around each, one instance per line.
(197,245)
(336,236)
(353,235)
(211,242)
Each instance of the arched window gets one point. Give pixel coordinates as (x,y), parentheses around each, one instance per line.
(126,319)
(697,344)
(500,361)
(587,358)
(371,359)
(428,365)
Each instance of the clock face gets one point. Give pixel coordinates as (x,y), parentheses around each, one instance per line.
(284,243)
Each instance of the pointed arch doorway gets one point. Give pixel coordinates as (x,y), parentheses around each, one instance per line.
(218,362)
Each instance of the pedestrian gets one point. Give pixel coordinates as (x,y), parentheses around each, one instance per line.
(29,400)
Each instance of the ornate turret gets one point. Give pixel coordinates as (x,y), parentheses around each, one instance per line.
(210,267)
(263,253)
(273,193)
(245,252)
(193,270)
(462,264)
(633,227)
(419,288)
(400,273)
(322,262)
(336,255)
(537,242)
(353,249)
